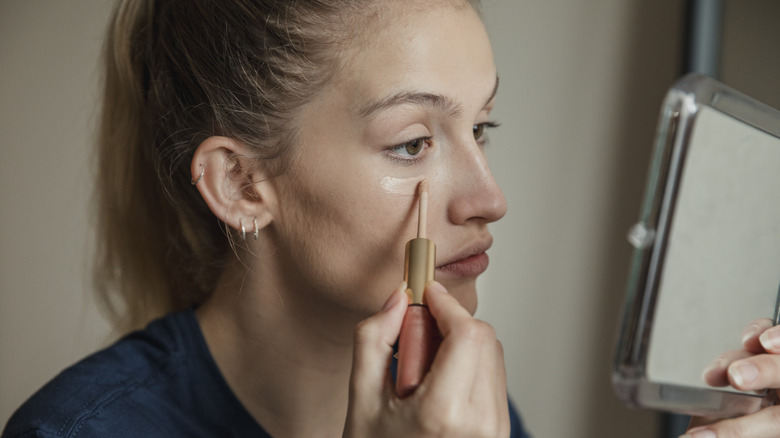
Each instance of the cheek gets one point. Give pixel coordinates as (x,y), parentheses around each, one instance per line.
(400,186)
(346,237)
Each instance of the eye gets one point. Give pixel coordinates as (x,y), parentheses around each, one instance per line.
(415,146)
(479,130)
(411,148)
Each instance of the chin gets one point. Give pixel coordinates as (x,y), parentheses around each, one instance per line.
(465,293)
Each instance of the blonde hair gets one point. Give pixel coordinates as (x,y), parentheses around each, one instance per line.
(176,73)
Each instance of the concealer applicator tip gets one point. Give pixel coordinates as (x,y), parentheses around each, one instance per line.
(422,219)
(422,187)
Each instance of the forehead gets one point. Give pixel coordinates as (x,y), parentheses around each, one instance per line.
(436,47)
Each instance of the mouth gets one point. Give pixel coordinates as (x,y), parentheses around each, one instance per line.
(468,263)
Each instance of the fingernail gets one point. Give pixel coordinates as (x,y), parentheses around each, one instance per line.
(750,331)
(743,374)
(770,340)
(699,433)
(436,285)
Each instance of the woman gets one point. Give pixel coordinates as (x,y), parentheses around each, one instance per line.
(258,165)
(257,170)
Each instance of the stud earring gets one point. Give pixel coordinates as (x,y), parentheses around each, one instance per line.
(195,181)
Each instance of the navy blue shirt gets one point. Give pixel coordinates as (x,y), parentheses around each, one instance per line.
(158,382)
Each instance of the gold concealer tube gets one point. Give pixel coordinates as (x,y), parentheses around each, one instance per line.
(419,338)
(419,267)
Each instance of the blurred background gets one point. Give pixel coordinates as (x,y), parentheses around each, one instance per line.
(581,87)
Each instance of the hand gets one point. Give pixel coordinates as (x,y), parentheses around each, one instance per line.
(463,394)
(754,368)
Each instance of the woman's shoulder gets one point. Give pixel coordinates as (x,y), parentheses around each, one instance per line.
(128,377)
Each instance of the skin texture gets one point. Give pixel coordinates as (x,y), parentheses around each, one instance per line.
(282,322)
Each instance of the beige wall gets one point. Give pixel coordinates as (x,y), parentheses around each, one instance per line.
(581,84)
(48,51)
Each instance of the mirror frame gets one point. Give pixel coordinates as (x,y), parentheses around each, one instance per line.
(649,237)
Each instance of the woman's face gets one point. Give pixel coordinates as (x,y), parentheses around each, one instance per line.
(412,102)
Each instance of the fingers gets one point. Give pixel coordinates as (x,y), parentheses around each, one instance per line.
(751,335)
(716,373)
(759,371)
(463,394)
(488,393)
(457,362)
(758,337)
(763,423)
(447,311)
(770,340)
(468,366)
(755,373)
(374,339)
(755,368)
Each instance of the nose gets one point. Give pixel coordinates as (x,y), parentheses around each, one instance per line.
(475,195)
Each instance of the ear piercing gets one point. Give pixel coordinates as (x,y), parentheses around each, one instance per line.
(202,171)
(255,231)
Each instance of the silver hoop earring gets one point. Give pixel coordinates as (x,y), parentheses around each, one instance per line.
(256,232)
(195,181)
(243,230)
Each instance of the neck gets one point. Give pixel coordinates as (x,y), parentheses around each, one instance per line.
(286,358)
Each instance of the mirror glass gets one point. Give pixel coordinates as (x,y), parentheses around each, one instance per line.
(707,257)
(722,263)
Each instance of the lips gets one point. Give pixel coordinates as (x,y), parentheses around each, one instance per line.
(469,262)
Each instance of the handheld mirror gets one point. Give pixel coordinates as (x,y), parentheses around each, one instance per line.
(707,250)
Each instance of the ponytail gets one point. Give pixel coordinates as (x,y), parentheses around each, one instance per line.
(141,245)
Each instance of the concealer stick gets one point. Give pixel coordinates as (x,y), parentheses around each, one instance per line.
(419,338)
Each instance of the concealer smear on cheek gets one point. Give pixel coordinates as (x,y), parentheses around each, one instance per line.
(401,186)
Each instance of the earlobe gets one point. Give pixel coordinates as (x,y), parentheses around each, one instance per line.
(232,184)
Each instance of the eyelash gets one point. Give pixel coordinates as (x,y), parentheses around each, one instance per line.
(412,159)
(485,125)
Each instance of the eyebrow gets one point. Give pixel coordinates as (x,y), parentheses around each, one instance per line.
(432,100)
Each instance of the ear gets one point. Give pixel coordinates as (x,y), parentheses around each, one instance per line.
(233,185)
